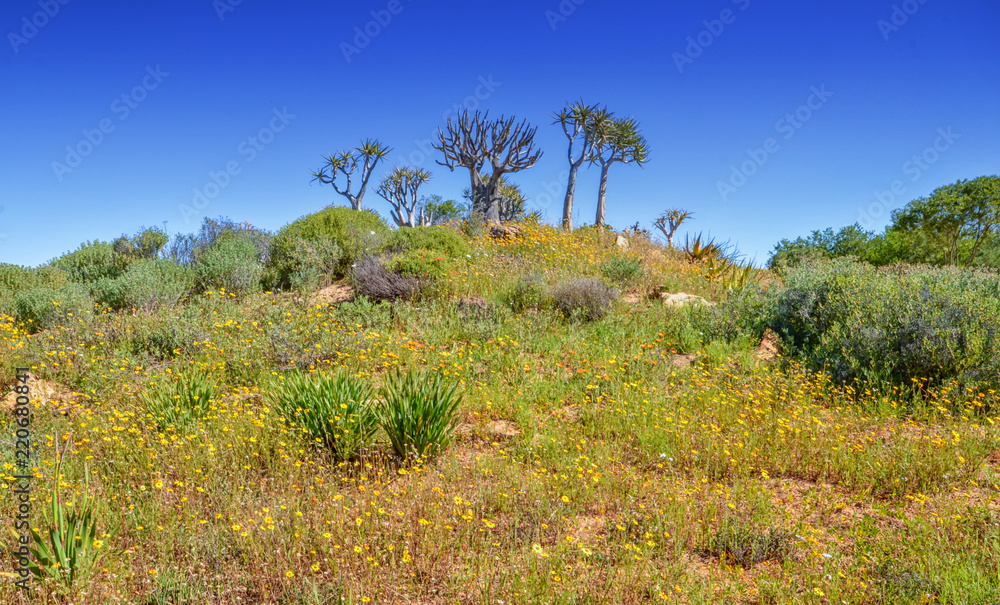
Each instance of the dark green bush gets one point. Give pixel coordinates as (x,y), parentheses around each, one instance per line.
(583,298)
(306,266)
(422,264)
(443,240)
(357,233)
(232,263)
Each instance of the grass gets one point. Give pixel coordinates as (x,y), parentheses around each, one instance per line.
(586,466)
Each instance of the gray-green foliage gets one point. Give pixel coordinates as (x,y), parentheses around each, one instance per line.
(880,325)
(44,307)
(233,263)
(583,298)
(145,285)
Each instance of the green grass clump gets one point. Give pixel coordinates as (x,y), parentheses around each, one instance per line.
(738,544)
(419,415)
(336,412)
(622,270)
(182,400)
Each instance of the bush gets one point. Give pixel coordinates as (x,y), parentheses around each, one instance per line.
(185,249)
(90,262)
(583,298)
(422,264)
(43,308)
(232,263)
(432,239)
(308,266)
(145,286)
(889,326)
(529,292)
(372,280)
(419,415)
(335,412)
(181,400)
(622,270)
(358,233)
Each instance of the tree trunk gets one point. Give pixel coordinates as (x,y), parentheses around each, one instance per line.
(601,194)
(567,222)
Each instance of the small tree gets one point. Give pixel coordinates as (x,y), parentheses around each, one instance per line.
(435,210)
(346,162)
(473,141)
(616,141)
(580,123)
(670,221)
(399,188)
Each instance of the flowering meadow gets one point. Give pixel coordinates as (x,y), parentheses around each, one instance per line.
(630,457)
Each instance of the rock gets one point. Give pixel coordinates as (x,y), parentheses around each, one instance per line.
(473,302)
(683,361)
(504,232)
(768,349)
(680,299)
(621,242)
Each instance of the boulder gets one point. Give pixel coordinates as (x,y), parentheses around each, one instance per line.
(621,242)
(680,299)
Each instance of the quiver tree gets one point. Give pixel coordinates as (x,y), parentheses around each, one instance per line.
(473,141)
(510,199)
(581,124)
(399,188)
(670,221)
(617,140)
(346,163)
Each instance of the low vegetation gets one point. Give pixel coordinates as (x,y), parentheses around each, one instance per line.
(513,418)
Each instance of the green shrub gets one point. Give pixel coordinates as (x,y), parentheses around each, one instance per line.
(182,399)
(528,292)
(14,278)
(889,326)
(583,298)
(42,308)
(336,412)
(357,233)
(308,265)
(90,262)
(422,264)
(146,285)
(439,239)
(232,263)
(420,413)
(622,270)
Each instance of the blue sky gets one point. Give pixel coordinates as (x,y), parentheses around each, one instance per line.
(820,108)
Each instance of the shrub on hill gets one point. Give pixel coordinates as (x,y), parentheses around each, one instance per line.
(883,326)
(356,233)
(373,280)
(88,263)
(233,263)
(435,239)
(41,308)
(583,298)
(145,285)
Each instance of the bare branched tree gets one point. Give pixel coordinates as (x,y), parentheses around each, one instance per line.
(473,141)
(617,140)
(580,123)
(670,221)
(399,188)
(346,162)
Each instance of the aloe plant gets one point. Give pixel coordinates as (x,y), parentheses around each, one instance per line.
(419,414)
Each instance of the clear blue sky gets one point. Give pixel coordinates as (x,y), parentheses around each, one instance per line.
(200,78)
